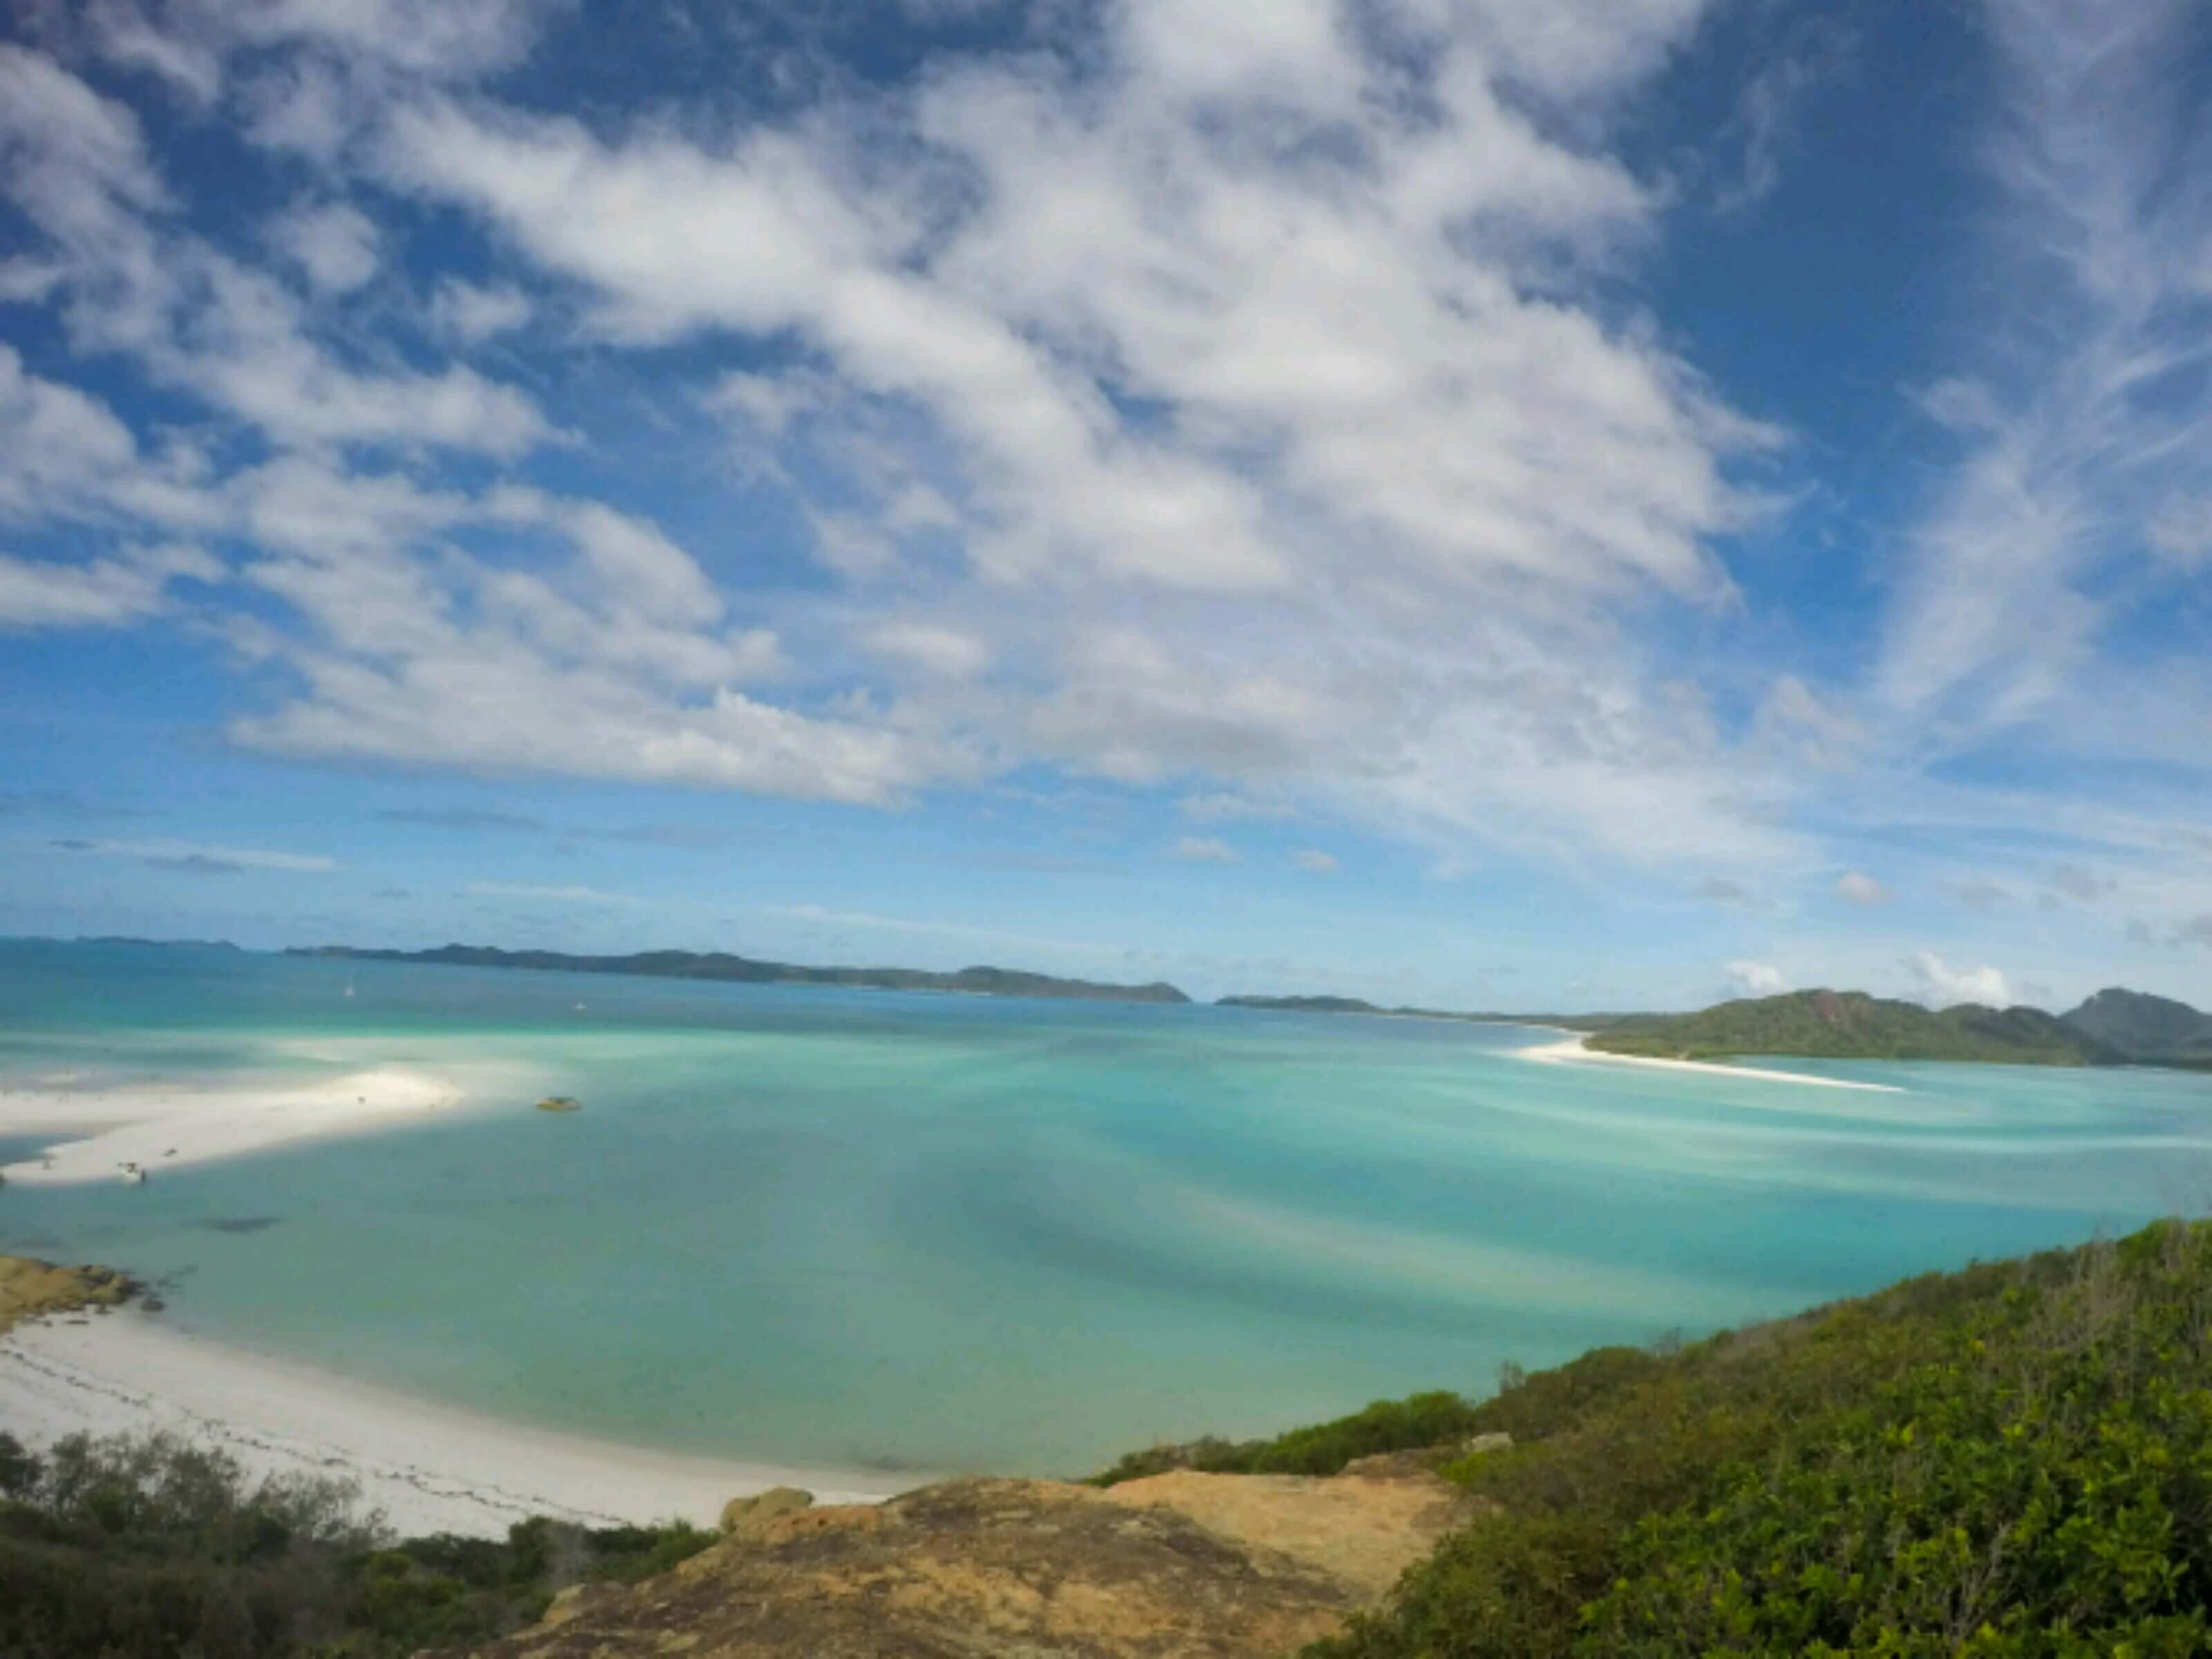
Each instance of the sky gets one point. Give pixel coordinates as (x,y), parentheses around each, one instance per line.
(1521,504)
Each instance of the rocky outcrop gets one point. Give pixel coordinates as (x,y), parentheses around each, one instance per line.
(1211,1566)
(29,1289)
(748,1514)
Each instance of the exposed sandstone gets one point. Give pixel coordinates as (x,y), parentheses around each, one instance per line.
(1210,1566)
(746,1514)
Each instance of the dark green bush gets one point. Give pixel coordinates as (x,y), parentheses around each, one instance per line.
(2012,1462)
(150,1546)
(1418,1422)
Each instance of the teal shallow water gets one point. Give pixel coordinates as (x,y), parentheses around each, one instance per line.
(861,1227)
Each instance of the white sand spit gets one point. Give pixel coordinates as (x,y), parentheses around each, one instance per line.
(1577,1051)
(429,1468)
(163,1125)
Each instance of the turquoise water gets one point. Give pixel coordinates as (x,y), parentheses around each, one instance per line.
(864,1228)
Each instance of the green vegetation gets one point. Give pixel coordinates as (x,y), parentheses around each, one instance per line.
(2013,1461)
(746,970)
(1852,1026)
(1420,1421)
(2146,1028)
(1303,1005)
(152,1547)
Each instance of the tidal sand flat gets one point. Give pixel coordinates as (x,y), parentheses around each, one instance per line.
(430,1468)
(108,1131)
(1575,1051)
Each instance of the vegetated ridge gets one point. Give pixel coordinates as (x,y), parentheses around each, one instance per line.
(720,965)
(2013,1462)
(2010,1462)
(1852,1026)
(1304,1004)
(2145,1027)
(2115,1026)
(1332,1005)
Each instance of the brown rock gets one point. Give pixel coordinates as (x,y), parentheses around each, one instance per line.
(31,1290)
(1208,1567)
(1396,1466)
(744,1513)
(1363,1531)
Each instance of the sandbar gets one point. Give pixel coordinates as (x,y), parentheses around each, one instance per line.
(102,1132)
(1577,1051)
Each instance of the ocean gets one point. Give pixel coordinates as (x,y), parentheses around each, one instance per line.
(877,1229)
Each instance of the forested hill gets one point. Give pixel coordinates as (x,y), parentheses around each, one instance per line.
(718,965)
(2145,1027)
(1852,1026)
(1304,1004)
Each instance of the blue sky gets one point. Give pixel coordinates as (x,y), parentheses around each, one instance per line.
(1501,503)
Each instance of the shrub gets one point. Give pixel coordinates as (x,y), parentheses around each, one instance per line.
(151,1544)
(2015,1461)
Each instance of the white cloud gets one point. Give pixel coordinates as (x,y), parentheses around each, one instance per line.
(1962,404)
(1202,849)
(571,893)
(2181,534)
(1772,104)
(616,665)
(1942,985)
(1857,888)
(1226,805)
(635,565)
(946,651)
(1222,418)
(106,592)
(1376,364)
(1757,979)
(334,245)
(56,445)
(1314,861)
(476,313)
(2086,421)
(189,43)
(197,318)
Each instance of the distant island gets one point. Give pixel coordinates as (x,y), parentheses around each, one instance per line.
(1327,1004)
(720,965)
(2115,1027)
(2156,1030)
(2110,1029)
(155,943)
(1304,1004)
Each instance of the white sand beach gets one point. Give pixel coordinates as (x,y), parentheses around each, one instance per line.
(158,1126)
(1577,1051)
(429,1468)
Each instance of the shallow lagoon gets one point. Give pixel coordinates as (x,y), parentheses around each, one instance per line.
(943,1232)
